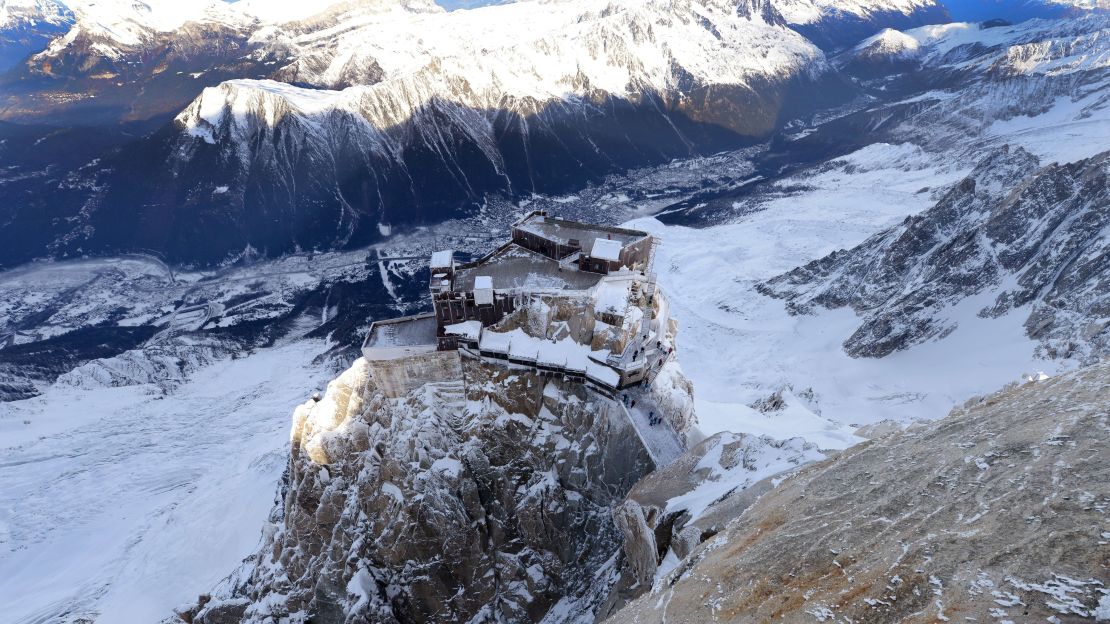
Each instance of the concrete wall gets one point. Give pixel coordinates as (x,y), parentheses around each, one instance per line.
(398,377)
(636,255)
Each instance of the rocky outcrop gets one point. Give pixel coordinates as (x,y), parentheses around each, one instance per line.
(673,510)
(484,500)
(998,512)
(1025,237)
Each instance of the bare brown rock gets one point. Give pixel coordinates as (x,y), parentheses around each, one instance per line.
(998,512)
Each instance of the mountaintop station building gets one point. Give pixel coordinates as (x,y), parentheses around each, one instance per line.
(544,254)
(595,272)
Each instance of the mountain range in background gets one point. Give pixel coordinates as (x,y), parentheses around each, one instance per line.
(207,129)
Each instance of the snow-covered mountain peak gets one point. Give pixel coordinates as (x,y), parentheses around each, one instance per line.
(811,11)
(890,43)
(236,105)
(542,50)
(15,12)
(1044,47)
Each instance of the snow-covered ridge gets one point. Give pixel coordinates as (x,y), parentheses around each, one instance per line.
(123,24)
(14,13)
(810,11)
(1036,46)
(515,57)
(128,23)
(543,50)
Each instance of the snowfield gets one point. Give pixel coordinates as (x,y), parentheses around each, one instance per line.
(739,347)
(120,504)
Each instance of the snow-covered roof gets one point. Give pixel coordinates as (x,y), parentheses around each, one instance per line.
(400,338)
(603,374)
(606,249)
(611,296)
(470,330)
(443,259)
(565,353)
(494,342)
(483,282)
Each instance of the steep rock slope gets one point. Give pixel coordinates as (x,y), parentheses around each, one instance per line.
(128,62)
(1010,235)
(486,500)
(997,512)
(673,509)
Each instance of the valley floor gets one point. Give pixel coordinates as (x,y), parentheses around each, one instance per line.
(127,502)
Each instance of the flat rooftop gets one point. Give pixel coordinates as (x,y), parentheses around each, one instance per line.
(516,267)
(408,331)
(563,231)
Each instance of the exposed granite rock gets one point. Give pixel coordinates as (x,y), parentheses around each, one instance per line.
(998,512)
(673,510)
(483,501)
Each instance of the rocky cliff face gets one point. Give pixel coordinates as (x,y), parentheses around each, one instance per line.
(998,512)
(484,500)
(1017,235)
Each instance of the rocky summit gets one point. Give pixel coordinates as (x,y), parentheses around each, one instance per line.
(485,500)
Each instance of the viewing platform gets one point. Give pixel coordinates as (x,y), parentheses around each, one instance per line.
(400,337)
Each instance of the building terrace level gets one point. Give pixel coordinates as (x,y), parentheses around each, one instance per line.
(595,279)
(594,248)
(513,267)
